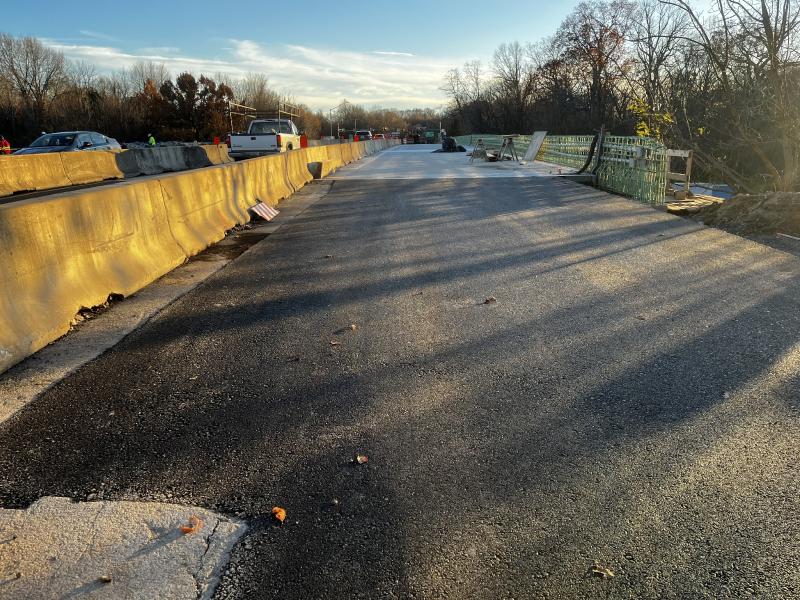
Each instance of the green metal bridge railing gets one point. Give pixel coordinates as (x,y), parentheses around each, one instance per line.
(635,167)
(629,165)
(566,150)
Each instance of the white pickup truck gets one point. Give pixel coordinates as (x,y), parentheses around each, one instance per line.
(264,136)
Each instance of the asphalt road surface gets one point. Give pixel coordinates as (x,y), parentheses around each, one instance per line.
(629,403)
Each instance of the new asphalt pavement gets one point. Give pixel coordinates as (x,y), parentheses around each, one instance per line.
(561,394)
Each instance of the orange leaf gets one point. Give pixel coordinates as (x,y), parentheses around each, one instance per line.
(195,524)
(279,513)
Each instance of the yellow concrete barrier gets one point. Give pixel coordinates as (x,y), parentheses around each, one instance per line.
(319,154)
(334,154)
(31,172)
(201,205)
(217,153)
(263,179)
(70,251)
(90,166)
(297,168)
(359,150)
(223,154)
(347,152)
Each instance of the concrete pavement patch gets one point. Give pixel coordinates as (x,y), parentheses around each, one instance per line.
(63,549)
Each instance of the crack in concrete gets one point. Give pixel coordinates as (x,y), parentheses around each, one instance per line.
(198,573)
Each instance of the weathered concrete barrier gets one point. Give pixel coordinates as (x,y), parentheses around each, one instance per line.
(217,153)
(297,168)
(319,165)
(72,250)
(264,179)
(65,252)
(31,173)
(36,172)
(91,166)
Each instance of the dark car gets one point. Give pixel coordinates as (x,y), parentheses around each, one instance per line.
(68,141)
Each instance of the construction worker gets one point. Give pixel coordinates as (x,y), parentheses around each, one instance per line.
(5,145)
(151,141)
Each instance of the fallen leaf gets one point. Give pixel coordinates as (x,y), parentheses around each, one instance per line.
(104,579)
(490,300)
(361,459)
(279,514)
(598,570)
(353,326)
(195,524)
(335,343)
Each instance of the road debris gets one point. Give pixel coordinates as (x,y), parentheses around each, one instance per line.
(490,300)
(104,579)
(195,525)
(361,459)
(599,570)
(336,343)
(279,514)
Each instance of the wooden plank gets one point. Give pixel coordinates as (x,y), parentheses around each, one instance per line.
(679,153)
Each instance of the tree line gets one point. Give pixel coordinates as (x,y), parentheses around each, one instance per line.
(724,82)
(40,90)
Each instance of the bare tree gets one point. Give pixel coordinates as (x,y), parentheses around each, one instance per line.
(515,81)
(142,72)
(751,46)
(36,72)
(254,91)
(595,36)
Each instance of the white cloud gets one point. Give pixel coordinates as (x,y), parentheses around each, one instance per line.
(316,76)
(96,35)
(159,50)
(390,53)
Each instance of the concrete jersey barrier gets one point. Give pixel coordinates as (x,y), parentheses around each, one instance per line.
(90,166)
(31,173)
(35,172)
(72,250)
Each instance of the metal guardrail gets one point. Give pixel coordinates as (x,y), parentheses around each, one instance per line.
(633,166)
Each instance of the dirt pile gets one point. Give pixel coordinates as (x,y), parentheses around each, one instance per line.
(778,212)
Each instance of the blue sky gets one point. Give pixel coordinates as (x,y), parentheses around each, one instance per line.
(375,53)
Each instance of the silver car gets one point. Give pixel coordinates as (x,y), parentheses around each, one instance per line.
(69,141)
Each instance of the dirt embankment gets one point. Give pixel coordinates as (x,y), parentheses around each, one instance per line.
(778,212)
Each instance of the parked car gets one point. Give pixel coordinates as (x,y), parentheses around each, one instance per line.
(264,136)
(69,141)
(378,136)
(363,135)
